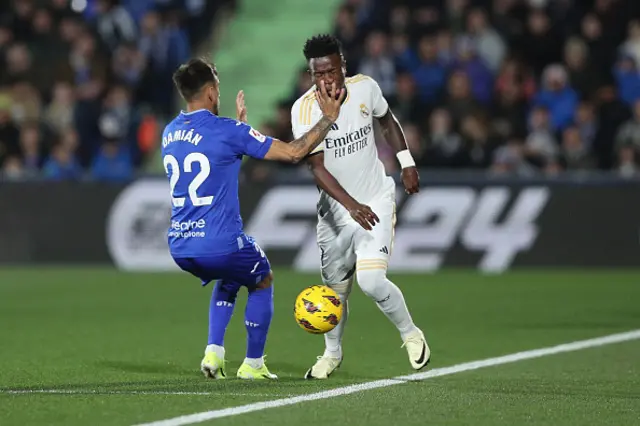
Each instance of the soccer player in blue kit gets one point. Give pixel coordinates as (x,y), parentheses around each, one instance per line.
(202,154)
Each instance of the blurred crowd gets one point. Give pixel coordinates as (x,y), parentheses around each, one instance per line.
(84,84)
(513,86)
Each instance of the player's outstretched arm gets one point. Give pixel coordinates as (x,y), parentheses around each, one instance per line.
(359,212)
(330,101)
(395,137)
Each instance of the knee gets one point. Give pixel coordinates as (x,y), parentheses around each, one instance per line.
(226,291)
(373,283)
(343,288)
(266,282)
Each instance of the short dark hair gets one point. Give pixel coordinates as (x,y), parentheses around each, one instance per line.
(191,77)
(322,45)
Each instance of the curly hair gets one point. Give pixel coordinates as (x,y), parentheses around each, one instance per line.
(322,45)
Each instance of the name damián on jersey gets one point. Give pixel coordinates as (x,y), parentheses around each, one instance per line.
(202,154)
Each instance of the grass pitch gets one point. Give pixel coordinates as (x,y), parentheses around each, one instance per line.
(101,347)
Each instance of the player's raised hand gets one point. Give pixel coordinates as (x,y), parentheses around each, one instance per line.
(363,214)
(411,180)
(330,99)
(241,108)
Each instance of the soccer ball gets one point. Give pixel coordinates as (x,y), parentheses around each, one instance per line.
(318,309)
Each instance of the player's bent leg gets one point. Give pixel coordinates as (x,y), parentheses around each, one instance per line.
(373,281)
(223,300)
(258,315)
(332,357)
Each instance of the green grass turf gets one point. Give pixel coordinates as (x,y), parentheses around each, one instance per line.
(103,331)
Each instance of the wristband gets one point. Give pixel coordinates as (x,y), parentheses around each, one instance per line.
(405,159)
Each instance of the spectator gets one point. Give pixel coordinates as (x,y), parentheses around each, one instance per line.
(583,77)
(400,19)
(346,30)
(585,121)
(509,110)
(627,78)
(444,43)
(557,96)
(31,148)
(59,113)
(444,147)
(9,134)
(514,73)
(431,73)
(510,159)
(88,66)
(378,64)
(406,59)
(13,169)
(69,29)
(631,46)
(601,50)
(491,47)
(479,146)
(27,102)
(46,45)
(282,128)
(574,154)
(303,83)
(113,162)
(128,64)
(540,147)
(406,103)
(479,75)
(460,101)
(21,18)
(541,44)
(18,65)
(6,40)
(115,24)
(62,164)
(611,114)
(627,162)
(164,48)
(455,13)
(628,137)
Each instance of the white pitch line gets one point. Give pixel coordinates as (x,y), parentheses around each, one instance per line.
(109,392)
(436,372)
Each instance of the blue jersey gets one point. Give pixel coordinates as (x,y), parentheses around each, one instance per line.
(202,154)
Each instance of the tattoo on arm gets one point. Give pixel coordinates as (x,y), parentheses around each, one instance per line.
(307,142)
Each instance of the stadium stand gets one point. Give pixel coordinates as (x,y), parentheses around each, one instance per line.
(85,84)
(525,87)
(514,86)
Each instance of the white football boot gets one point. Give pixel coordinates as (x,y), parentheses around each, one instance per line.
(323,368)
(417,349)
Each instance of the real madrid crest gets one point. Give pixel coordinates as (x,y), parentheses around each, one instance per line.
(364,111)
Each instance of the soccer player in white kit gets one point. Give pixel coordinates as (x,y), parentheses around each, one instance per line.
(356,210)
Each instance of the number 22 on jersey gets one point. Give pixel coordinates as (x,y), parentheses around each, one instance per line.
(205,169)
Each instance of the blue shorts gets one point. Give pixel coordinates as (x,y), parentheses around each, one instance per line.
(248,266)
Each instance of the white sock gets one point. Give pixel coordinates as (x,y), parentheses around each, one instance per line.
(218,350)
(333,339)
(395,308)
(254,362)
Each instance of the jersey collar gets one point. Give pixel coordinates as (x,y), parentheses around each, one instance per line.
(198,111)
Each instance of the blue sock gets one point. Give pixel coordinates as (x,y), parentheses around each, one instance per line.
(257,320)
(223,300)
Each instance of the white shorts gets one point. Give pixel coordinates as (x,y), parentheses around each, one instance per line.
(343,248)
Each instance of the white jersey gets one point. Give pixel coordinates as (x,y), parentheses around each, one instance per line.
(350,152)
